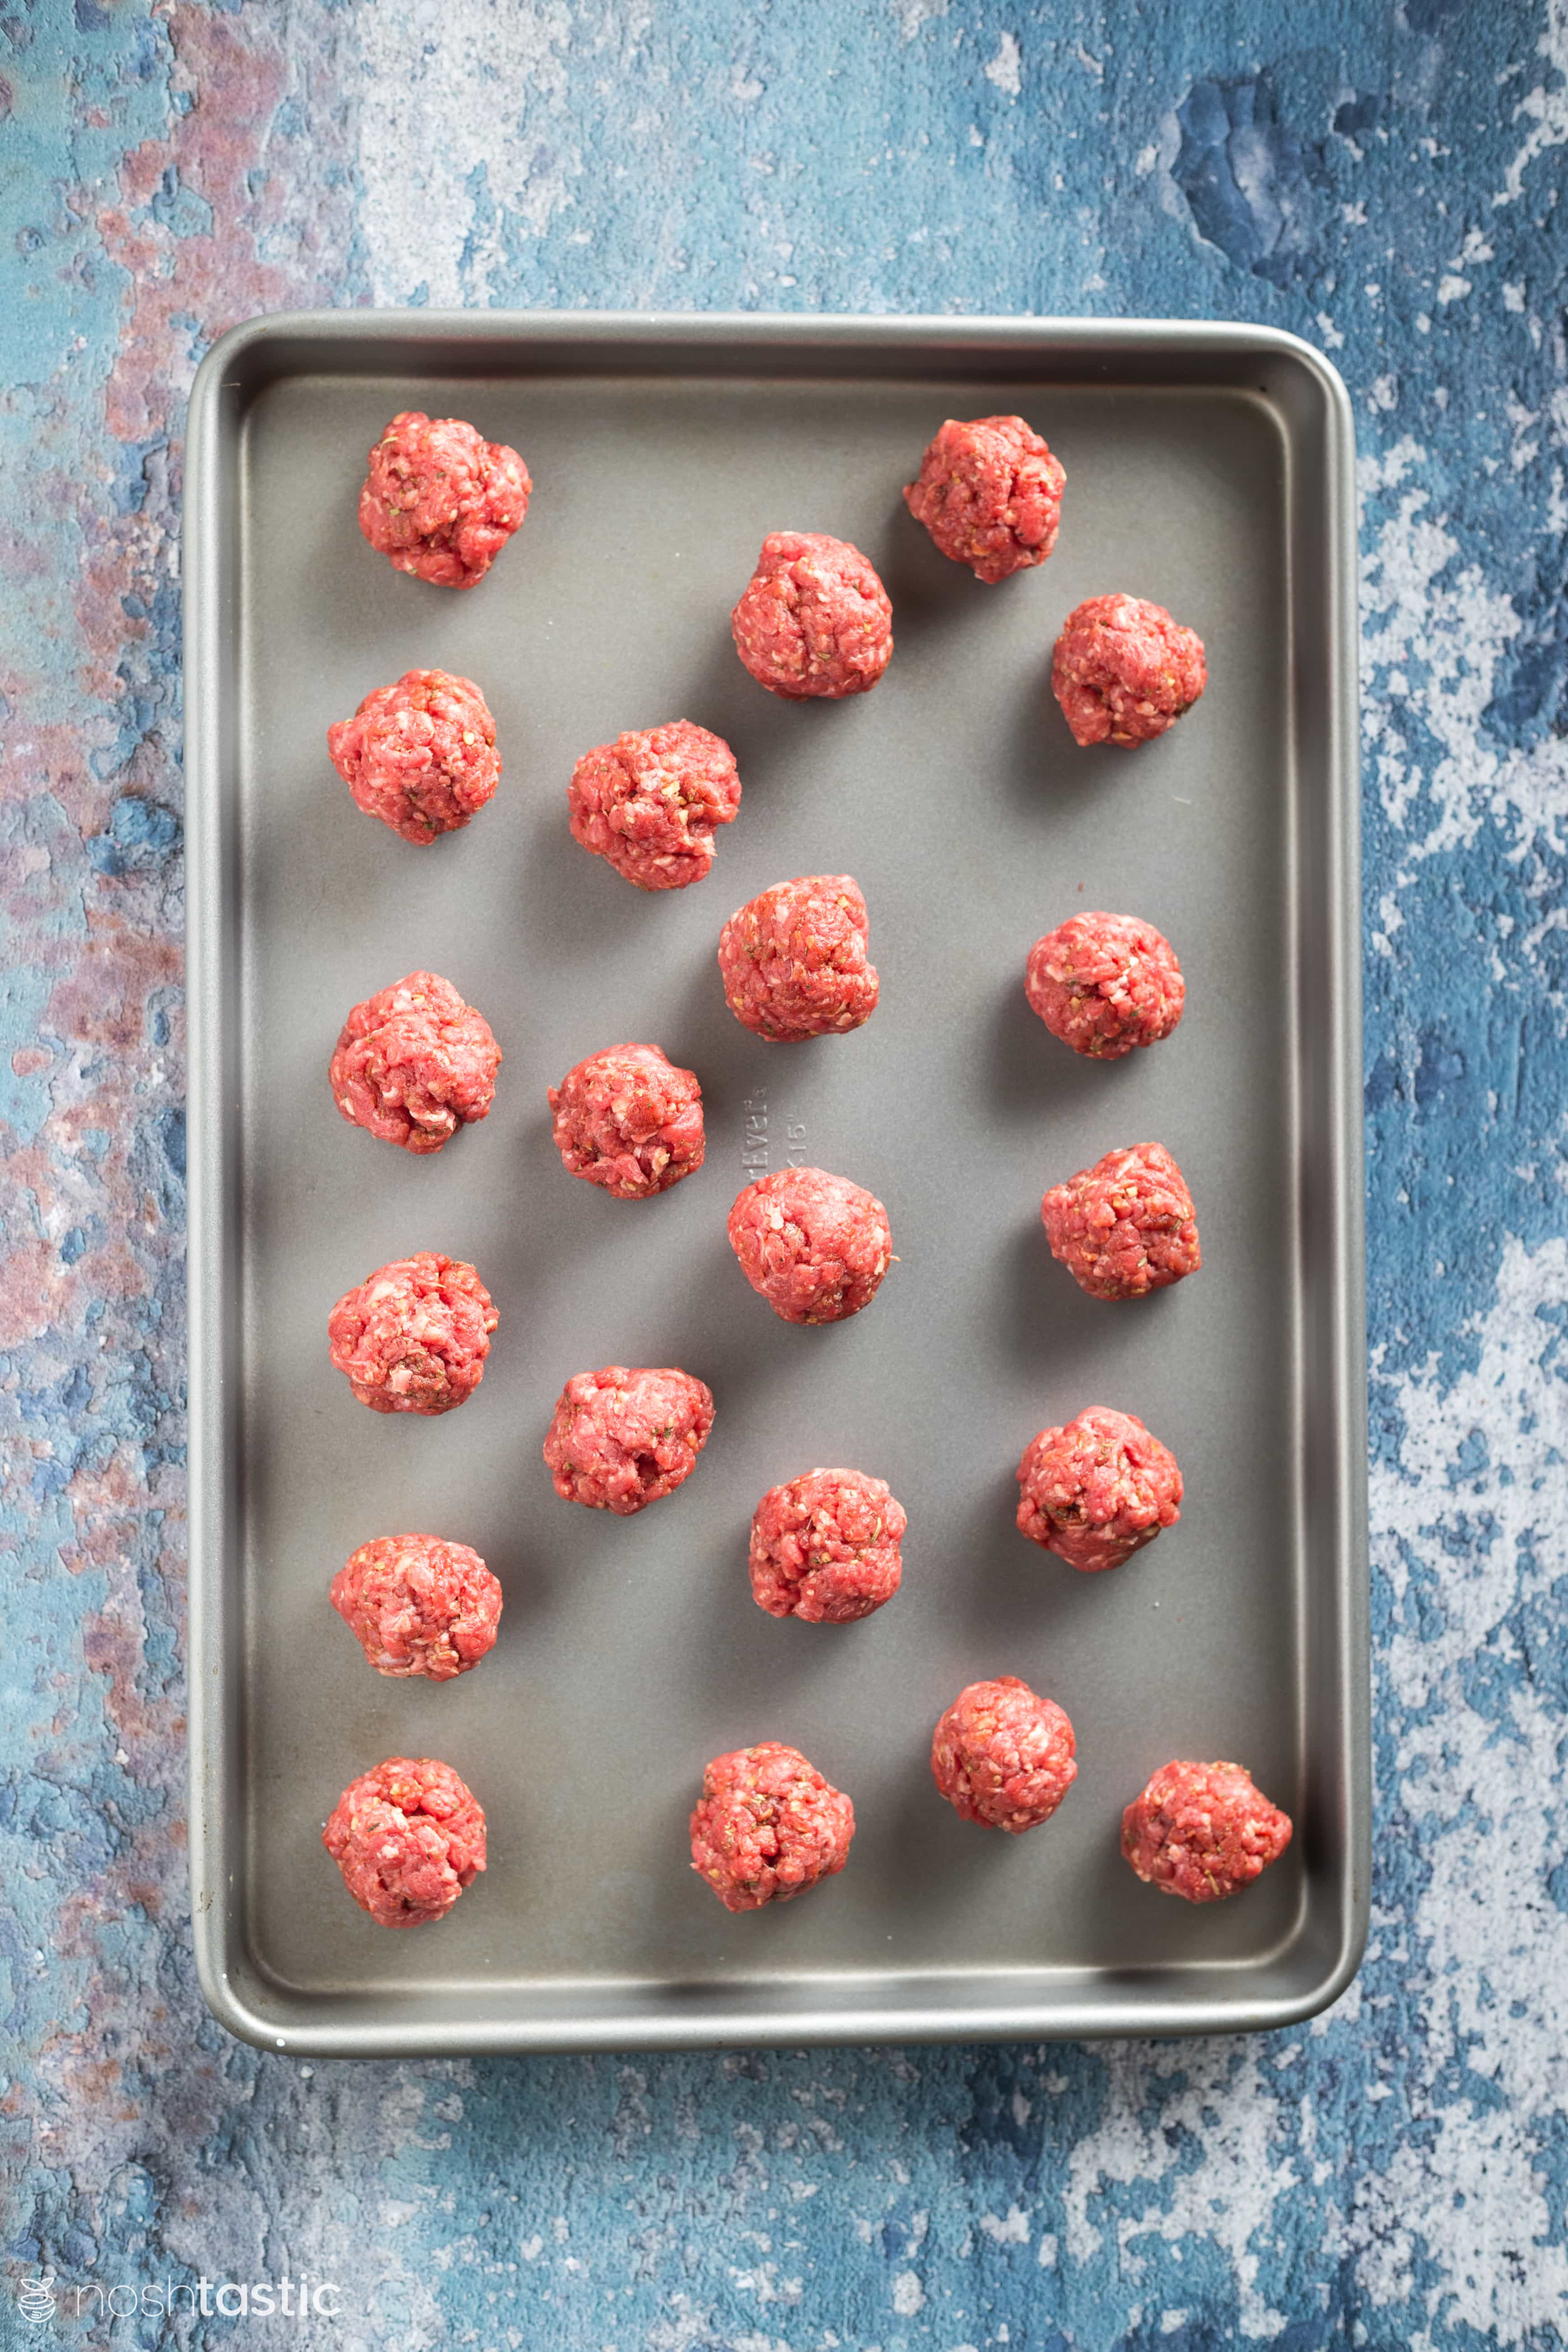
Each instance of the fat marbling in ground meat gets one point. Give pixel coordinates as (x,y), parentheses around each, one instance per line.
(1105,984)
(825,1546)
(794,960)
(814,1245)
(414,1063)
(767,1826)
(419,754)
(813,619)
(413,1336)
(990,494)
(648,802)
(629,1120)
(440,500)
(622,1438)
(418,1605)
(1203,1831)
(1004,1755)
(1125,1227)
(408,1837)
(1098,1488)
(1124,671)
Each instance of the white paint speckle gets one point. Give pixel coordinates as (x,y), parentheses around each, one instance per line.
(1546,110)
(1006,68)
(1430,614)
(909,2296)
(912,15)
(1477,1785)
(1010,2228)
(441,185)
(1219,2104)
(1474,250)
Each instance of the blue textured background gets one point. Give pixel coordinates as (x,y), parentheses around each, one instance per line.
(1384,181)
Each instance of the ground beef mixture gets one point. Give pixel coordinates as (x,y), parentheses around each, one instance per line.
(418,1605)
(413,1064)
(767,1826)
(1004,1755)
(1125,1227)
(1124,671)
(814,1245)
(622,1439)
(1105,983)
(814,618)
(413,1336)
(628,1120)
(648,802)
(1202,1832)
(420,754)
(1097,1490)
(408,1837)
(990,494)
(794,960)
(440,500)
(824,1548)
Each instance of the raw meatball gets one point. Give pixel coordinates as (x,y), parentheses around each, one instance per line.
(792,960)
(440,500)
(990,494)
(413,1336)
(420,755)
(814,618)
(1202,1832)
(767,1826)
(418,1605)
(1105,983)
(648,802)
(1124,1226)
(1124,671)
(414,1063)
(1096,1491)
(824,1548)
(621,1440)
(629,1120)
(408,1836)
(814,1245)
(1004,1755)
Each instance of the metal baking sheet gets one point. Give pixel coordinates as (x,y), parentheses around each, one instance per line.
(1209,467)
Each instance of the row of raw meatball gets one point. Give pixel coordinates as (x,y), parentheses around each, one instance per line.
(409,1836)
(415,1062)
(814,622)
(414,1336)
(420,754)
(439,501)
(826,1548)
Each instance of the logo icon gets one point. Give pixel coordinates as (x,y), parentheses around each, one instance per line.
(36,2299)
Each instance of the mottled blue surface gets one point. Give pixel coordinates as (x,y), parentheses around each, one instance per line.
(1386,182)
